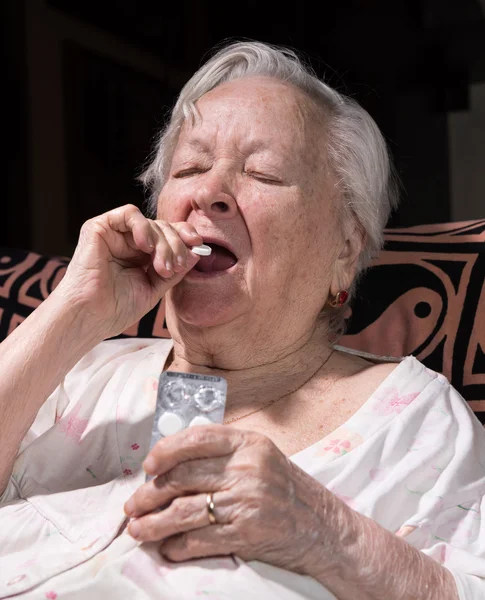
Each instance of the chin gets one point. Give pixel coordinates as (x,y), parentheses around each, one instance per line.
(202,307)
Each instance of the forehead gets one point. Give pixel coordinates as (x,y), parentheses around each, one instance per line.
(257,110)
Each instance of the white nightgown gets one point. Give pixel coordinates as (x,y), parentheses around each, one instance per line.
(412,458)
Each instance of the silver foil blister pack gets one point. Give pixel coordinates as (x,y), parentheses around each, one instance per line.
(185,400)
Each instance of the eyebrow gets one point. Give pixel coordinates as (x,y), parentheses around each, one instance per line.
(199,146)
(202,147)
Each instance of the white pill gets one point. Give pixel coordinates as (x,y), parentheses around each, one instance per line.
(170,423)
(202,250)
(199,420)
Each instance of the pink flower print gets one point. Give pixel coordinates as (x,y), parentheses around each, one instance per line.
(338,443)
(391,402)
(129,464)
(134,446)
(51,595)
(338,446)
(72,425)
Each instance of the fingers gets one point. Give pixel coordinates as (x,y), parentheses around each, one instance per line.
(217,540)
(130,219)
(167,242)
(185,530)
(189,477)
(204,441)
(188,233)
(166,247)
(185,513)
(170,250)
(207,457)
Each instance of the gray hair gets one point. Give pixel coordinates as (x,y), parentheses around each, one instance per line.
(357,151)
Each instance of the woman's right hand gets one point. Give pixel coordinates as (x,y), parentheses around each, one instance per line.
(123,264)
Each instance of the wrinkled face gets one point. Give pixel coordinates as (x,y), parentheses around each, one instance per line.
(251,175)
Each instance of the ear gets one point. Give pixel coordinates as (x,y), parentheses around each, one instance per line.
(346,262)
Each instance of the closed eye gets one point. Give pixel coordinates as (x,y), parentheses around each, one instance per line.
(264,178)
(188,172)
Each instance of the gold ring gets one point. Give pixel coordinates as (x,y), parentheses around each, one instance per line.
(210,508)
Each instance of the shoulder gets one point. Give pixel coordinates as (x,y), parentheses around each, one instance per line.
(111,355)
(126,347)
(110,369)
(407,376)
(361,371)
(408,379)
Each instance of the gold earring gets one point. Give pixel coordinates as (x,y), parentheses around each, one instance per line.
(339,300)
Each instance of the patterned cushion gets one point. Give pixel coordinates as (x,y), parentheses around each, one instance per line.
(424,295)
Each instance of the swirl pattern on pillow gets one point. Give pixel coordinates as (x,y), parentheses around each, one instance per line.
(425,295)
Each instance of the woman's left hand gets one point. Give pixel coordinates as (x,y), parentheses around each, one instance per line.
(266,508)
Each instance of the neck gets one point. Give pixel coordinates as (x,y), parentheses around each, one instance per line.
(266,377)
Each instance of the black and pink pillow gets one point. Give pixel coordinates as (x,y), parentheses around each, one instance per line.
(425,295)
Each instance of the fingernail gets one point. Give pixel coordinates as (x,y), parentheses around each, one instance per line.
(181,261)
(194,234)
(134,529)
(130,507)
(168,265)
(149,465)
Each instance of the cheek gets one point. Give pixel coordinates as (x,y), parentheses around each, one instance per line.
(161,206)
(170,205)
(287,227)
(299,249)
(270,210)
(281,248)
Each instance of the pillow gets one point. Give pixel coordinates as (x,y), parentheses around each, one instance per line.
(425,295)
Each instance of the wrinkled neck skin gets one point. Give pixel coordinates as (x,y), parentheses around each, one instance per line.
(259,367)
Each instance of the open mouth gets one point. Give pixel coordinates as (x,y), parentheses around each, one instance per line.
(220,259)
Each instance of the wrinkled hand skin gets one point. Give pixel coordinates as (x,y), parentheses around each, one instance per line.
(270,510)
(266,507)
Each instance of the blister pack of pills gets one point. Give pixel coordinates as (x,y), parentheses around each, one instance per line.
(185,400)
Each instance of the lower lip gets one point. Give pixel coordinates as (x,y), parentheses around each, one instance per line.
(193,273)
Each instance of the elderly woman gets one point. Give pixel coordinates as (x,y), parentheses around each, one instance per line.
(334,475)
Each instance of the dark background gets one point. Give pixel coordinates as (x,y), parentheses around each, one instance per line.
(87,84)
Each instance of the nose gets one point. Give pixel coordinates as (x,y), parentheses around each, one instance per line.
(214,203)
